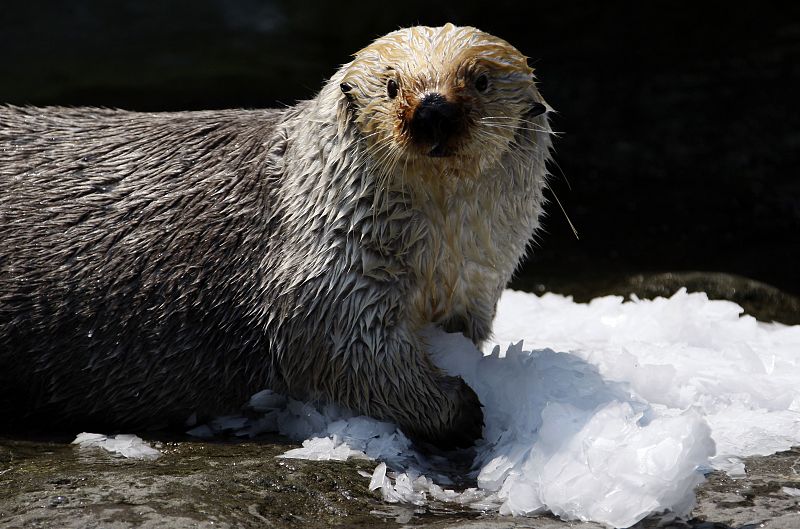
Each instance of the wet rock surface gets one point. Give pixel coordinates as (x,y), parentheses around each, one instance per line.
(193,484)
(242,484)
(765,496)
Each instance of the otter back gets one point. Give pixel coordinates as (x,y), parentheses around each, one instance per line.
(130,245)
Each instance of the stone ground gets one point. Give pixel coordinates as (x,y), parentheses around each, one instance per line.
(196,484)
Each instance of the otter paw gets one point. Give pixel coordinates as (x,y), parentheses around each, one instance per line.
(458,427)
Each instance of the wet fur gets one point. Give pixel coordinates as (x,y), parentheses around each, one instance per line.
(158,265)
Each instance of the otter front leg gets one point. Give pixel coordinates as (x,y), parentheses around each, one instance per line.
(428,405)
(384,372)
(475,321)
(460,427)
(475,328)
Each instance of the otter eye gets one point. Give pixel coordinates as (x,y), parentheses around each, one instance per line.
(482,83)
(391,88)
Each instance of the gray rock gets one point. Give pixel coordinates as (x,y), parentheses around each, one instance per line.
(198,484)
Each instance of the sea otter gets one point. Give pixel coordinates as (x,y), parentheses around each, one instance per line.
(158,265)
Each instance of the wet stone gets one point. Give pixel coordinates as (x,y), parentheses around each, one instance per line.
(242,484)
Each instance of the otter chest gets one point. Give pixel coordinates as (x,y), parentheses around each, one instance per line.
(472,245)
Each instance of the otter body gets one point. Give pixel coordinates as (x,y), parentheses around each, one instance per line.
(153,266)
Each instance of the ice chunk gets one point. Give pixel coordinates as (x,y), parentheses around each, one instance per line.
(126,445)
(228,423)
(732,466)
(378,477)
(266,400)
(324,449)
(203,431)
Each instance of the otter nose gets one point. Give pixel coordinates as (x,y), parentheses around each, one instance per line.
(435,121)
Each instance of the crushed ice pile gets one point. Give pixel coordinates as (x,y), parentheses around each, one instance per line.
(608,411)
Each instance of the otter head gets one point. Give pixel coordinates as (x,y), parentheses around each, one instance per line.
(448,98)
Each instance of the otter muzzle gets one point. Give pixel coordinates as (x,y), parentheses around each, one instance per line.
(435,122)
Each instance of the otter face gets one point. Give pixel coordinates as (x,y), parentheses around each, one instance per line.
(449,96)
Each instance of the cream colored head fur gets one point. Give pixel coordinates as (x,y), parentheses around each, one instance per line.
(480,201)
(488,79)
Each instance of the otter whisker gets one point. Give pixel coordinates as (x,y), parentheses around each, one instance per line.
(574,231)
(521,126)
(518,127)
(513,119)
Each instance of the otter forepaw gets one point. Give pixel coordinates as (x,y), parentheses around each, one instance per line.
(461,425)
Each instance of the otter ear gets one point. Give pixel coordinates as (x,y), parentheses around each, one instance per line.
(537,109)
(346,89)
(345,107)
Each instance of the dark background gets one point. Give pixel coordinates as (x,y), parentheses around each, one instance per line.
(680,121)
